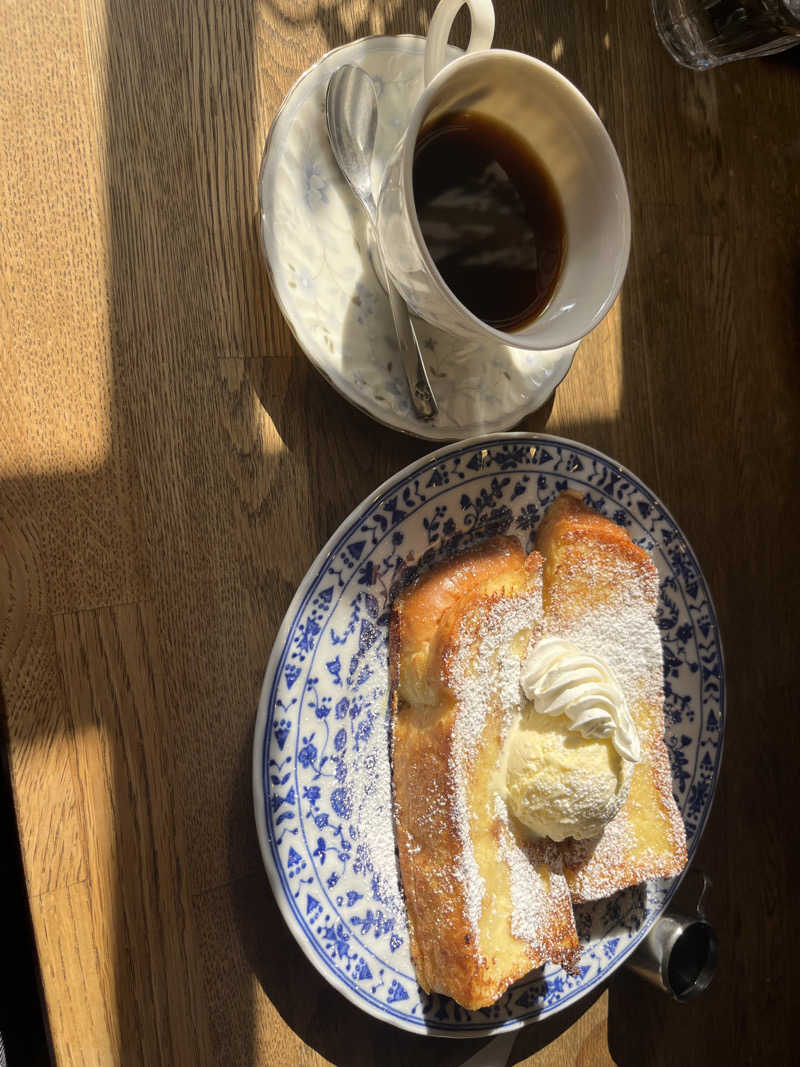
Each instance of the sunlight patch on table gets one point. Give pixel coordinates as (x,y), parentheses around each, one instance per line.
(55,413)
(252,428)
(55,367)
(265,435)
(593,389)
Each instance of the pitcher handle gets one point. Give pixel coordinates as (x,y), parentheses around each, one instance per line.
(706,884)
(481,13)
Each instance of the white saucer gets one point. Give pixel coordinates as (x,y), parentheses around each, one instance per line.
(313,236)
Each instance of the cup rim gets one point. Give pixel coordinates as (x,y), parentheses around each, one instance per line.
(517,340)
(683,923)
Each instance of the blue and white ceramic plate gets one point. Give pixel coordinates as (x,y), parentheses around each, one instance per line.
(321,759)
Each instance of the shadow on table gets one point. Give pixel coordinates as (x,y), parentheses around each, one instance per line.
(154,226)
(640,1020)
(161,233)
(645,1026)
(173,302)
(23,1038)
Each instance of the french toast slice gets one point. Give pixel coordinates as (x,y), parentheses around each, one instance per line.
(600,591)
(484,905)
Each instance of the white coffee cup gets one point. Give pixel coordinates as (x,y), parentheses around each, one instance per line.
(564,132)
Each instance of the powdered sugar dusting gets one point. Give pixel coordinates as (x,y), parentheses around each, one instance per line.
(369,781)
(485,669)
(621,630)
(528,899)
(606,853)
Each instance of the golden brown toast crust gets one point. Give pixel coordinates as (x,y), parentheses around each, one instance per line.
(473,946)
(437,625)
(591,565)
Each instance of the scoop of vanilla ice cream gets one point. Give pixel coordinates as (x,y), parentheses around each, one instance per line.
(561,784)
(570,758)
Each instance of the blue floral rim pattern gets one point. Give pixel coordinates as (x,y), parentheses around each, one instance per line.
(323,716)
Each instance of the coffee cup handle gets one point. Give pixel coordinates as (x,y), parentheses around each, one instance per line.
(481,13)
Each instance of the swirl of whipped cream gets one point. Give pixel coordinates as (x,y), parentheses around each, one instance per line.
(562,680)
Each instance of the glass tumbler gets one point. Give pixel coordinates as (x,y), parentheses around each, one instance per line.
(704,33)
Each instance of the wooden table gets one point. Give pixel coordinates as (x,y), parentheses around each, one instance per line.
(170,465)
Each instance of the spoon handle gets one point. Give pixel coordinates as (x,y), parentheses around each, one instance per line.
(351,115)
(419,386)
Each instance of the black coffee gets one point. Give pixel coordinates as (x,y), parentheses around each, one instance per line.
(490,216)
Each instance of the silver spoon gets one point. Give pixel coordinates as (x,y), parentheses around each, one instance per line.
(351,112)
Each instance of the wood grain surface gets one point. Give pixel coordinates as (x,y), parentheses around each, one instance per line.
(170,465)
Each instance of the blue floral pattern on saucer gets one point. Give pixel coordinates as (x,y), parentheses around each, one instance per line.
(314,241)
(321,758)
